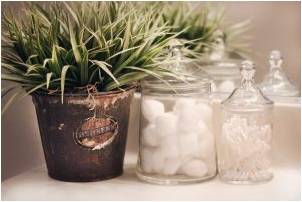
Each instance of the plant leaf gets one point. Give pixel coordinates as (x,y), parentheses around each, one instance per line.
(103,66)
(48,77)
(63,76)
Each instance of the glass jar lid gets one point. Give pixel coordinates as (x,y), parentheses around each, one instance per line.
(276,83)
(188,76)
(185,82)
(247,97)
(218,64)
(226,68)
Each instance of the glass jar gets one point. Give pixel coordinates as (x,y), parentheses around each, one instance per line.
(176,143)
(225,75)
(276,83)
(244,144)
(224,71)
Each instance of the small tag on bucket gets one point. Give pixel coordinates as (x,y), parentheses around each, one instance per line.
(96,133)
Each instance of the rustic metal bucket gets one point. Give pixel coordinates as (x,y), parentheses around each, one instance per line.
(84,138)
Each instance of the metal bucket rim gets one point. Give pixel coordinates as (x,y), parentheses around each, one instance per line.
(98,94)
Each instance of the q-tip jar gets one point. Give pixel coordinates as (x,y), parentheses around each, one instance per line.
(176,142)
(245,142)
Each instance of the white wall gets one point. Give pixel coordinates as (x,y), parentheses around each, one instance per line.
(20,142)
(274,25)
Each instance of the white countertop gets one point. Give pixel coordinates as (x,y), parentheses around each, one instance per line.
(36,185)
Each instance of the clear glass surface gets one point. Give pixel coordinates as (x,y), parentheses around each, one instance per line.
(225,75)
(244,144)
(223,71)
(176,143)
(276,83)
(176,139)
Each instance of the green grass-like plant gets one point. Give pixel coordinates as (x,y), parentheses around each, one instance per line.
(201,25)
(65,47)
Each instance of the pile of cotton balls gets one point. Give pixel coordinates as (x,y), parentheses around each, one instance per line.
(179,141)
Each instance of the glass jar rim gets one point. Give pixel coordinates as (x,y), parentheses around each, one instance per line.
(170,83)
(220,67)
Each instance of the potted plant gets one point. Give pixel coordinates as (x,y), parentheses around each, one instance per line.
(80,63)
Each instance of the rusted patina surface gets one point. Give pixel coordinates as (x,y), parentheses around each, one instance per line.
(81,142)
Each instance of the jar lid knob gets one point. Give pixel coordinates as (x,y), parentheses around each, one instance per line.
(248,70)
(275,59)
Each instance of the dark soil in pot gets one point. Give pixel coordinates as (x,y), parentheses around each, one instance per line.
(84,138)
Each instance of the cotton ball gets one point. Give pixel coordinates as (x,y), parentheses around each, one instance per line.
(146,160)
(183,103)
(211,165)
(170,146)
(206,150)
(185,109)
(152,109)
(188,144)
(204,134)
(152,160)
(158,161)
(194,168)
(171,166)
(201,128)
(166,124)
(205,112)
(226,86)
(149,136)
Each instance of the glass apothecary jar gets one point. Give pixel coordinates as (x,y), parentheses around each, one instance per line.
(176,135)
(225,75)
(224,71)
(276,82)
(176,143)
(245,141)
